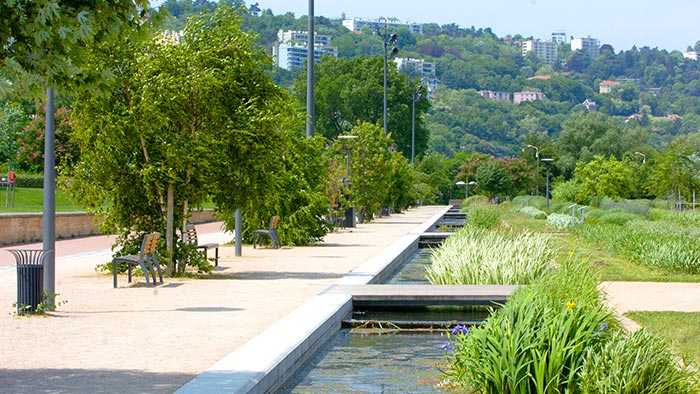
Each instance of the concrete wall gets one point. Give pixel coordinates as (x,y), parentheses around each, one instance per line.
(18,228)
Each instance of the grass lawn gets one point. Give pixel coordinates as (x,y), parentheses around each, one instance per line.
(613,266)
(682,329)
(31,201)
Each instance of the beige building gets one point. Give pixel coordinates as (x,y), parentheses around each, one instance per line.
(527,95)
(607,86)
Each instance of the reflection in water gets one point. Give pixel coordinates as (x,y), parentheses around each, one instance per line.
(357,362)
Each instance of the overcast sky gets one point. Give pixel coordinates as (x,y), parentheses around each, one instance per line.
(667,24)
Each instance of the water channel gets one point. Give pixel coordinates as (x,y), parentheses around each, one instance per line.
(388,350)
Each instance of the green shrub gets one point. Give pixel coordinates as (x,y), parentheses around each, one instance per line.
(30,181)
(642,364)
(483,215)
(533,212)
(537,341)
(479,256)
(568,191)
(637,207)
(618,216)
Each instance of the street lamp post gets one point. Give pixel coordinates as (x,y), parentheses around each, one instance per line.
(417,95)
(537,174)
(389,41)
(547,161)
(466,185)
(644,157)
(349,211)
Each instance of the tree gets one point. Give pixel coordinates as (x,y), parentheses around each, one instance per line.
(603,178)
(371,176)
(30,142)
(351,91)
(181,122)
(12,121)
(46,39)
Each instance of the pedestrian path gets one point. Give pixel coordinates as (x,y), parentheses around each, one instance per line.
(154,340)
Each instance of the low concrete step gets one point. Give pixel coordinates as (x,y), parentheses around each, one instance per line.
(424,295)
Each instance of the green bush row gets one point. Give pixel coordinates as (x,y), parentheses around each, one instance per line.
(30,181)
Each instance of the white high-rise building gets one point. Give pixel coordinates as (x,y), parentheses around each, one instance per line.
(559,37)
(356,24)
(587,45)
(291,50)
(546,50)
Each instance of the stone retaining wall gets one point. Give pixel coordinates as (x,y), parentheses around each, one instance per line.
(18,228)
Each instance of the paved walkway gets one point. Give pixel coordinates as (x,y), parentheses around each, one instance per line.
(154,340)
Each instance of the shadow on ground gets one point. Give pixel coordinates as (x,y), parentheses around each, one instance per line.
(84,381)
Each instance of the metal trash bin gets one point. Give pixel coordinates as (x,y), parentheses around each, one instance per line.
(30,279)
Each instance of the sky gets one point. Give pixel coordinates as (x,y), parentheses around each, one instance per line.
(667,24)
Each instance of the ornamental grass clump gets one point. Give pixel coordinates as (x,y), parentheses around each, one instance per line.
(480,256)
(559,221)
(640,364)
(482,214)
(537,341)
(533,212)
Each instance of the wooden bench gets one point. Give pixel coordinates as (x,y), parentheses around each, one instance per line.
(147,259)
(270,232)
(191,237)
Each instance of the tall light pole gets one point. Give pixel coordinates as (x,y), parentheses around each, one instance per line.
(547,161)
(644,157)
(417,95)
(310,63)
(537,174)
(389,41)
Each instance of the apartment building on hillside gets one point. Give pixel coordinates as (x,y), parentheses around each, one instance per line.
(416,66)
(588,45)
(291,50)
(559,37)
(546,50)
(498,96)
(356,24)
(527,95)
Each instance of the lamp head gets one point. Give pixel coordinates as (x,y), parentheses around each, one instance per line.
(392,40)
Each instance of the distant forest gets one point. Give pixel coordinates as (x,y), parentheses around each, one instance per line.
(658,97)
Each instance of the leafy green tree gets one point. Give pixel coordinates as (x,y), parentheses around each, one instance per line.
(371,175)
(351,91)
(182,122)
(674,170)
(603,177)
(43,43)
(12,121)
(30,142)
(587,135)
